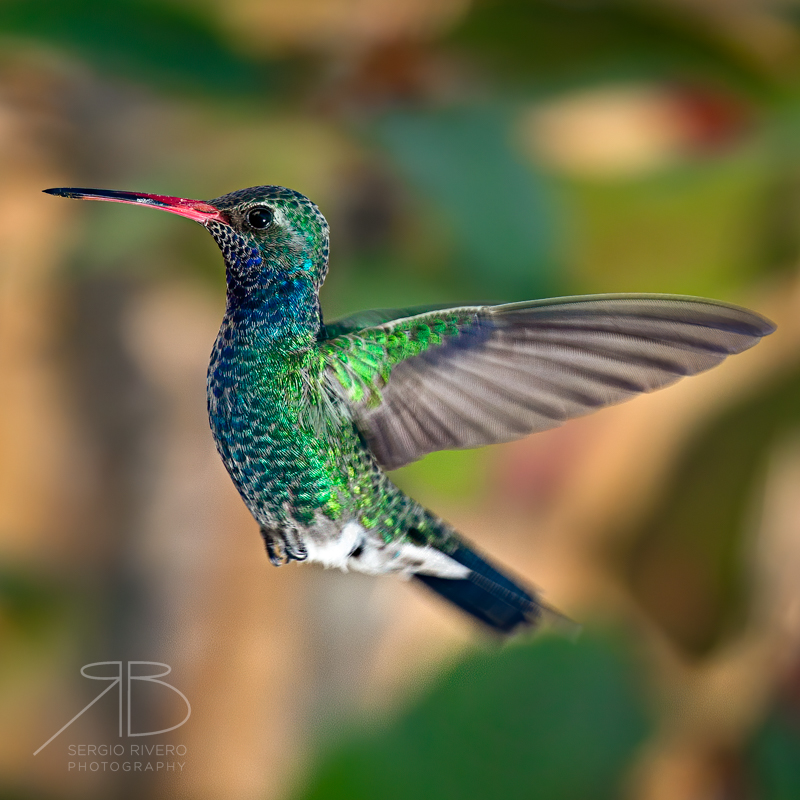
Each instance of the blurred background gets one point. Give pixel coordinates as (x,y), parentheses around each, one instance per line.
(484,150)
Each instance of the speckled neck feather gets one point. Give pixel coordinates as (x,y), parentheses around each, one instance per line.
(273,285)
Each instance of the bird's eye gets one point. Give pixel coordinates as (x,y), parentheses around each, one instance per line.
(259,218)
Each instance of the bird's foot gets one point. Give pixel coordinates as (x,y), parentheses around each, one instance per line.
(283,546)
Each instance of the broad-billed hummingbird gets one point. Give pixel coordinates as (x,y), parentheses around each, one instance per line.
(308,416)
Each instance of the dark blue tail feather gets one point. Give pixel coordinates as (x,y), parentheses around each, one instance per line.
(487,594)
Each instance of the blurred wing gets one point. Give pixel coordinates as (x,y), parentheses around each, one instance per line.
(467,377)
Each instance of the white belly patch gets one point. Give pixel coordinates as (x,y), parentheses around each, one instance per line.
(356,549)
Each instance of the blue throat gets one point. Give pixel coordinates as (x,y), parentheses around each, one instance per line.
(271,304)
(282,314)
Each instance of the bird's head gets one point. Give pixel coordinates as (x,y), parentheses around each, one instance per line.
(270,236)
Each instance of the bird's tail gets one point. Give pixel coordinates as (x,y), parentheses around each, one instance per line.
(490,595)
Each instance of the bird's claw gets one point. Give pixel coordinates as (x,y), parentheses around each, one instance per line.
(282,547)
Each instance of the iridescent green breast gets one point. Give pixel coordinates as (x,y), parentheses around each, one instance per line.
(289,442)
(287,451)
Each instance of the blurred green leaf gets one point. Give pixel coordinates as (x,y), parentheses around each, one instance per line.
(691,229)
(456,474)
(29,604)
(546,719)
(501,210)
(552,43)
(774,757)
(167,44)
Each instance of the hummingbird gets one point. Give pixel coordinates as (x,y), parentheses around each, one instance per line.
(309,416)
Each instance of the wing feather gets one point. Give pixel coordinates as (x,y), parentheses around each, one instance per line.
(466,377)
